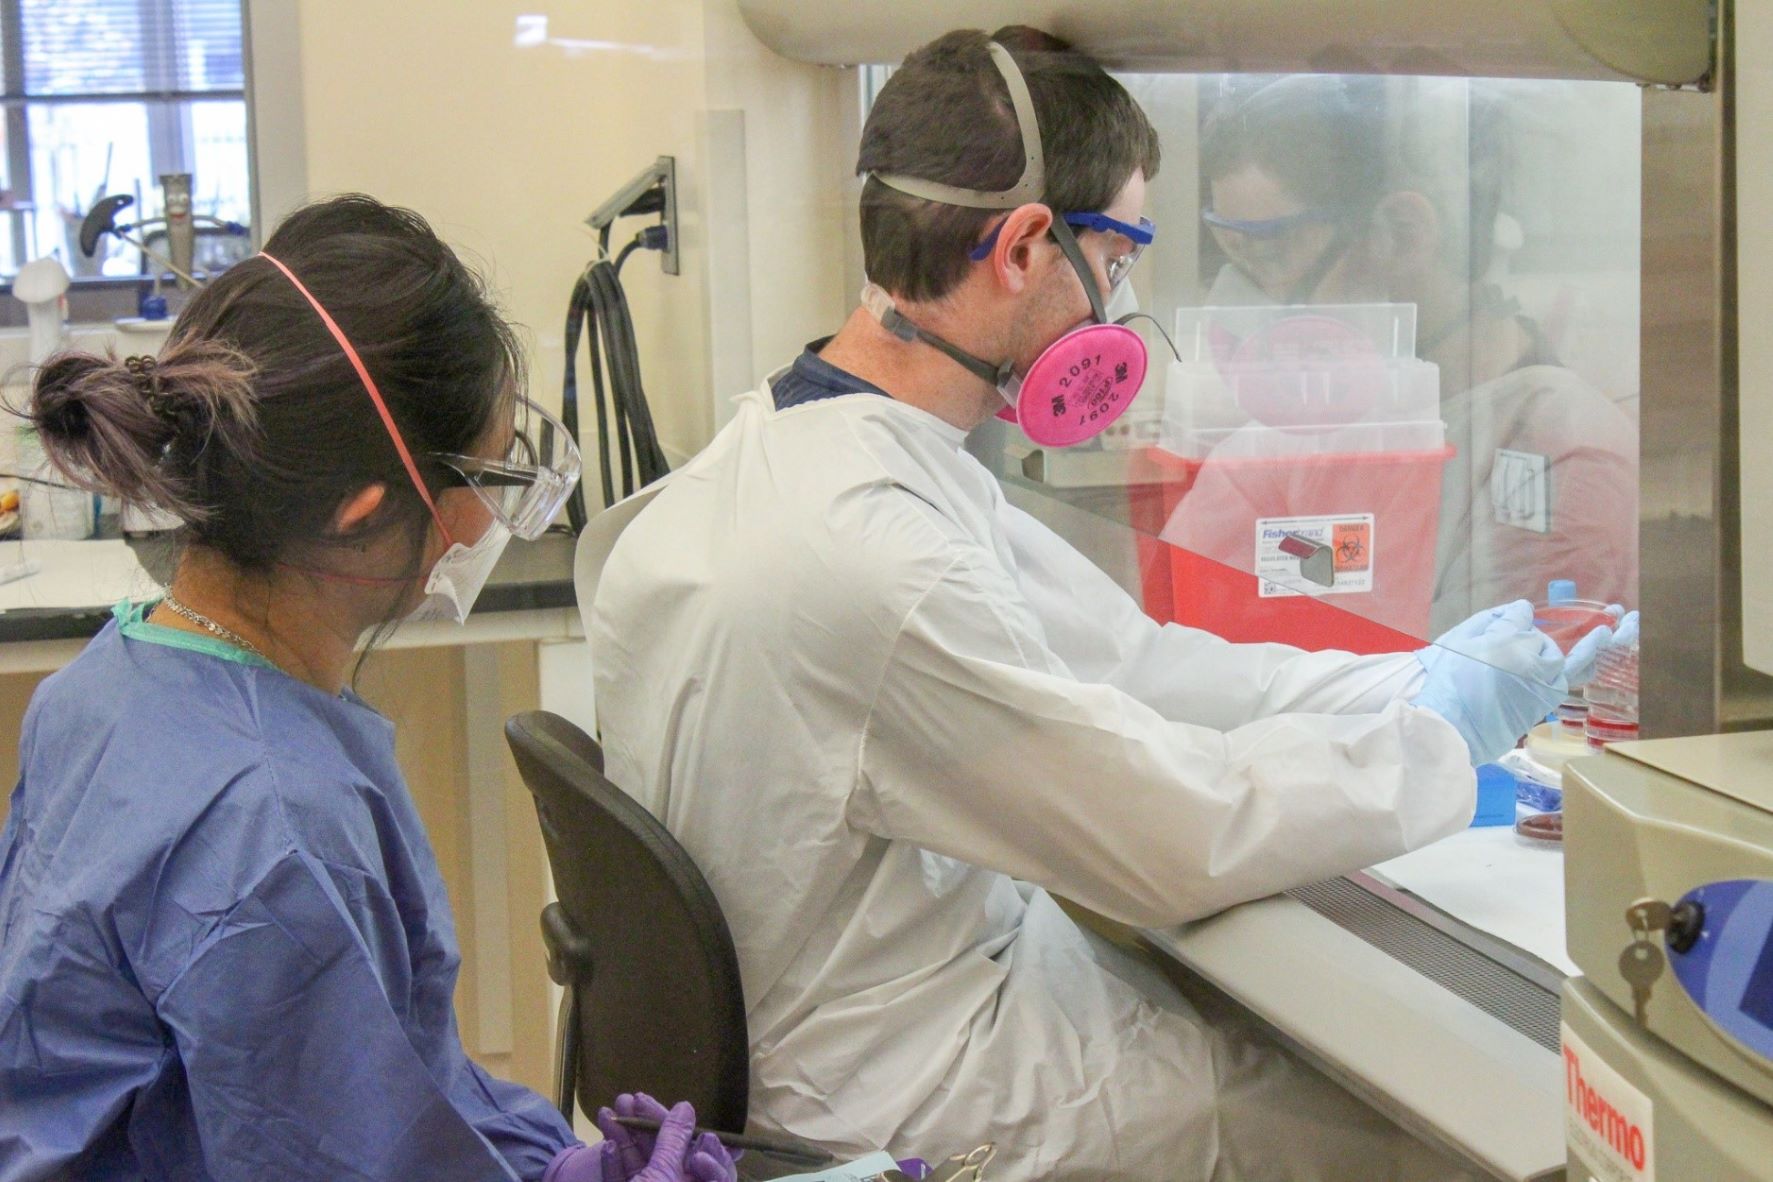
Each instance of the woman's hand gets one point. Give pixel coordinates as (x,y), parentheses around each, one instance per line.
(673,1154)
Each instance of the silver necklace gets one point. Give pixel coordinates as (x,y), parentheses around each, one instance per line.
(214,629)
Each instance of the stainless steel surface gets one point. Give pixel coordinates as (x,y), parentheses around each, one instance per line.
(1498,979)
(1751,99)
(1693,680)
(1664,41)
(1521,963)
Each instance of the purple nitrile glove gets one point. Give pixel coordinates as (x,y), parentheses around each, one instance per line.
(673,1154)
(584,1163)
(710,1161)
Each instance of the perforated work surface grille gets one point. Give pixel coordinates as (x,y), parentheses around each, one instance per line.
(1494,988)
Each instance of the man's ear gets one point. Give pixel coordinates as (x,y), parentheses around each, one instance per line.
(1406,232)
(1017,257)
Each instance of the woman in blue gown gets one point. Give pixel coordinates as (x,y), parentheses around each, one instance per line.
(225,946)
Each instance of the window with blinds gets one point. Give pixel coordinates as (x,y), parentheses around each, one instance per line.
(108,96)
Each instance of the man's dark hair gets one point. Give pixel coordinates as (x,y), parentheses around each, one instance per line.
(945,116)
(1321,136)
(1341,144)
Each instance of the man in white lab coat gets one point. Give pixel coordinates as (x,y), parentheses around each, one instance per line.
(887,713)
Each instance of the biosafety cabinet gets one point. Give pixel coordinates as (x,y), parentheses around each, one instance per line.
(1450,305)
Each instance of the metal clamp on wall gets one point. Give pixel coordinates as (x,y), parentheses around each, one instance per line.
(653,190)
(599,302)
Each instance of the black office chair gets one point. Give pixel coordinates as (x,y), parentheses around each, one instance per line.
(653,1002)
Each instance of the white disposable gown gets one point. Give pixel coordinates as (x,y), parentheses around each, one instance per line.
(886,713)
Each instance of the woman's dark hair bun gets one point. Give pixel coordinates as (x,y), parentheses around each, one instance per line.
(128,427)
(59,408)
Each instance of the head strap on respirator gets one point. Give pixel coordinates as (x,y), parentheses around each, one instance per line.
(1082,381)
(1032,186)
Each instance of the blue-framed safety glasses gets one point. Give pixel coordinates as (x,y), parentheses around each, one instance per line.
(1119,266)
(1267,249)
(1267,229)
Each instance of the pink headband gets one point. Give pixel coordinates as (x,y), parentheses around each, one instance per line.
(375,395)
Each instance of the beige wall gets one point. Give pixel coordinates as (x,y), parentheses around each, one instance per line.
(801,125)
(507,149)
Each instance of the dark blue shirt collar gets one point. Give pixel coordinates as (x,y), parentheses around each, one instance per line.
(812,379)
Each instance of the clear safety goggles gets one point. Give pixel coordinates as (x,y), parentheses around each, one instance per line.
(526,489)
(1118,266)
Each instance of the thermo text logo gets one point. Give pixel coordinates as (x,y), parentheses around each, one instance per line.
(1618,1131)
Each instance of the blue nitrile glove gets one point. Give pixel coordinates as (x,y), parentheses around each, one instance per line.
(673,1154)
(1579,665)
(1493,677)
(1475,626)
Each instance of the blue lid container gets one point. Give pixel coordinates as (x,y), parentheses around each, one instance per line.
(1495,796)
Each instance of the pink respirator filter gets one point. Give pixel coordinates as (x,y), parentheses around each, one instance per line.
(1079,385)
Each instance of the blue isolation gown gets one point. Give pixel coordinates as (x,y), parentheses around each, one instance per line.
(225,948)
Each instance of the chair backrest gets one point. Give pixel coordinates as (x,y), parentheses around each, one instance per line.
(662,1010)
(598,539)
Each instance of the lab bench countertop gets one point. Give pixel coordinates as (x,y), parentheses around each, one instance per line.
(1445,1020)
(530,576)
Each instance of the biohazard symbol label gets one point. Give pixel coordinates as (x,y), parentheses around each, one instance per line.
(1353,543)
(1290,549)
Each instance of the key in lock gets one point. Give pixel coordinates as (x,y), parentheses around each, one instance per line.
(1640,964)
(1681,925)
(1642,961)
(1648,915)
